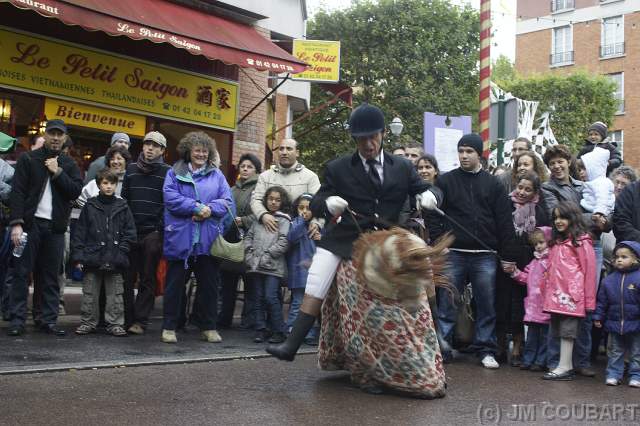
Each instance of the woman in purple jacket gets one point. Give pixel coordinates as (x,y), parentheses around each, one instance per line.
(196,199)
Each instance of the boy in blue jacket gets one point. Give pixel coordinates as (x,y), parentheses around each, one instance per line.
(619,308)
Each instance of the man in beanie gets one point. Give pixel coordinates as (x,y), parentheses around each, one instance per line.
(597,135)
(477,200)
(142,188)
(120,139)
(45,183)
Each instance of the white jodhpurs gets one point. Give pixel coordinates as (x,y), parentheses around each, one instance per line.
(321,273)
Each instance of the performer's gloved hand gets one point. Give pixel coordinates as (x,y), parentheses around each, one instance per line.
(336,205)
(428,200)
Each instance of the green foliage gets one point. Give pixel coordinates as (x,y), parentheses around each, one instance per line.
(406,56)
(502,71)
(575,101)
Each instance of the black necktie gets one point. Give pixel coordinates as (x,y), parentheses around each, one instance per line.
(374,177)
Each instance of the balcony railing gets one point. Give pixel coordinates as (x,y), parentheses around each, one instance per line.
(561,58)
(557,5)
(614,49)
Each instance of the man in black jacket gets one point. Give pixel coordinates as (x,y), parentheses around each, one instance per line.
(374,185)
(626,216)
(142,188)
(44,184)
(476,199)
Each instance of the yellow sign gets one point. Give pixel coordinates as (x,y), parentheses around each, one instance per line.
(323,58)
(94,117)
(63,70)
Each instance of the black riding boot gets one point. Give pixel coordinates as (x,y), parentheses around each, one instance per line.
(287,351)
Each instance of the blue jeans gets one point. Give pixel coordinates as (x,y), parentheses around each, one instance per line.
(480,270)
(535,347)
(616,347)
(267,299)
(297,294)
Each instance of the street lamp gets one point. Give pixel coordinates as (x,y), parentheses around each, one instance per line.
(396,126)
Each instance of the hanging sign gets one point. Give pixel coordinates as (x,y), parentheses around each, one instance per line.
(323,58)
(93,117)
(59,69)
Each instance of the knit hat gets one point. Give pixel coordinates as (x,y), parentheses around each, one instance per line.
(599,127)
(120,137)
(6,142)
(472,140)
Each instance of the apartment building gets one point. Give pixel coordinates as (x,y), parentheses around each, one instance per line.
(601,36)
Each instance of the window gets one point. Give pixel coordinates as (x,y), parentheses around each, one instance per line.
(612,37)
(618,78)
(618,137)
(562,46)
(558,5)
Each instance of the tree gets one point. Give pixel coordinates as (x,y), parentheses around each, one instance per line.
(502,71)
(406,56)
(575,101)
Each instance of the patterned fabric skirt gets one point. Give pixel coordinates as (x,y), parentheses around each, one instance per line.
(378,341)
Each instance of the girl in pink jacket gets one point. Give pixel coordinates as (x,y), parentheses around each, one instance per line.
(535,348)
(570,286)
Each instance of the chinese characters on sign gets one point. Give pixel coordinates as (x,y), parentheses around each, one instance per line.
(57,69)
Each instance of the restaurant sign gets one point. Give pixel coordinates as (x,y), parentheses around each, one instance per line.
(323,58)
(93,117)
(60,69)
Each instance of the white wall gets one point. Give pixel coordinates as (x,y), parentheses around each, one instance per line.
(284,16)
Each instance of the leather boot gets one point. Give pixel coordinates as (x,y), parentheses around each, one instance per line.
(445,348)
(287,351)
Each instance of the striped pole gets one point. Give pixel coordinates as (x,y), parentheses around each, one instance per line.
(485,72)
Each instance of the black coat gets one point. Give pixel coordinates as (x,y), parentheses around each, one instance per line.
(102,240)
(29,182)
(626,215)
(347,178)
(478,202)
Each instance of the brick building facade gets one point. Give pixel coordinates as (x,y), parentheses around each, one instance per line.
(598,36)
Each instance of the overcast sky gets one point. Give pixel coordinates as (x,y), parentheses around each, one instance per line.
(503,20)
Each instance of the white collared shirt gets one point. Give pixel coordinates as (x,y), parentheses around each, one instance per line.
(379,165)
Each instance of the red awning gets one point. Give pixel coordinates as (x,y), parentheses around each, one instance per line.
(164,22)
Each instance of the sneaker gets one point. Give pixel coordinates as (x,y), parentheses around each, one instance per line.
(488,361)
(311,341)
(276,338)
(211,336)
(168,336)
(634,383)
(612,382)
(85,329)
(61,309)
(136,329)
(117,331)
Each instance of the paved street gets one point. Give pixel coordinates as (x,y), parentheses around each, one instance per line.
(267,392)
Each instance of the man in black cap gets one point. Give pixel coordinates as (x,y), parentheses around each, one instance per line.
(372,183)
(476,199)
(44,184)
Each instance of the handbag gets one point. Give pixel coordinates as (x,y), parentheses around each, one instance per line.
(228,252)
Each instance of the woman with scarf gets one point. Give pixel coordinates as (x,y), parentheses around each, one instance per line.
(529,212)
(196,198)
